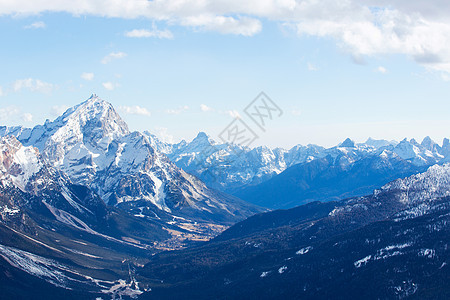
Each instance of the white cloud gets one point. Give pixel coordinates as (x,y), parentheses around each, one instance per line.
(8,112)
(178,110)
(27,117)
(229,17)
(418,29)
(224,24)
(58,110)
(1,92)
(109,85)
(233,113)
(381,70)
(205,108)
(34,85)
(87,76)
(135,110)
(36,25)
(112,56)
(154,32)
(12,112)
(312,67)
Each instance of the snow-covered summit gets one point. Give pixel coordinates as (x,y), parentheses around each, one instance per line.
(94,121)
(93,146)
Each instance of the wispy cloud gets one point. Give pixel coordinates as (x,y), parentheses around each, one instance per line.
(153,33)
(178,110)
(312,67)
(381,70)
(205,108)
(112,56)
(34,85)
(36,25)
(27,117)
(224,24)
(1,92)
(7,112)
(109,85)
(232,113)
(87,76)
(135,110)
(13,112)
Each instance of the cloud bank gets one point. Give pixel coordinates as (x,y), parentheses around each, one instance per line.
(416,28)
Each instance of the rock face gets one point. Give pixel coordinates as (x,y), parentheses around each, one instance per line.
(33,193)
(93,146)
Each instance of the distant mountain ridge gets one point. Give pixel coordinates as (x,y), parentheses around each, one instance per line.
(280,178)
(250,166)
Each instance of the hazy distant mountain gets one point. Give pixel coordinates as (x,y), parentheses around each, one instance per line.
(329,178)
(277,178)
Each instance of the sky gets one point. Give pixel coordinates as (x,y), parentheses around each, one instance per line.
(336,69)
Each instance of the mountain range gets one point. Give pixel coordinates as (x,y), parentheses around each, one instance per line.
(268,177)
(89,209)
(94,147)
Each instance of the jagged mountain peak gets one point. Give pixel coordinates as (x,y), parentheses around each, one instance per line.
(97,112)
(202,140)
(348,143)
(379,143)
(427,140)
(429,144)
(414,142)
(202,136)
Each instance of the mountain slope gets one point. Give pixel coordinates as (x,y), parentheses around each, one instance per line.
(392,244)
(63,234)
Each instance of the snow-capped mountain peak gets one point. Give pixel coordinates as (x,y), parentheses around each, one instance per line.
(202,140)
(95,119)
(93,146)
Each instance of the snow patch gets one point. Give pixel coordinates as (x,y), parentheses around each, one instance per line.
(304,250)
(362,261)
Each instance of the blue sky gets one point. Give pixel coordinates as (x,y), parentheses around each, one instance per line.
(347,69)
